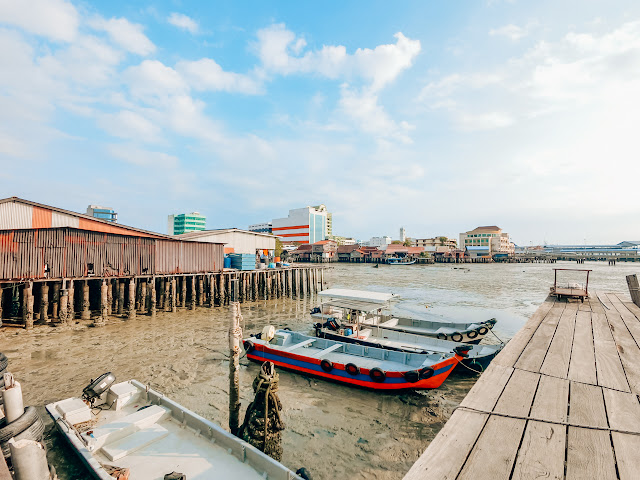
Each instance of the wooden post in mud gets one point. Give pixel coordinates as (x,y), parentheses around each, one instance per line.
(167,296)
(152,297)
(143,296)
(255,296)
(55,300)
(174,300)
(71,311)
(200,289)
(192,299)
(132,299)
(63,312)
(219,289)
(321,279)
(162,287)
(44,302)
(120,297)
(104,304)
(293,283)
(109,297)
(183,290)
(85,313)
(27,305)
(212,291)
(235,336)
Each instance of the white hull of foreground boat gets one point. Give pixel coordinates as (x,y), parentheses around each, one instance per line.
(152,435)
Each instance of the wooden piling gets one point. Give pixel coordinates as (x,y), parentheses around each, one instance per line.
(321,279)
(110,287)
(120,297)
(132,299)
(44,302)
(192,299)
(71,311)
(143,296)
(212,291)
(174,301)
(235,334)
(104,304)
(27,304)
(63,312)
(183,292)
(55,298)
(85,313)
(634,289)
(167,296)
(162,288)
(152,297)
(200,289)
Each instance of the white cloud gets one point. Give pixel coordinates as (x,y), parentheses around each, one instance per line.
(54,19)
(512,32)
(182,21)
(206,74)
(152,79)
(143,158)
(131,125)
(127,35)
(281,51)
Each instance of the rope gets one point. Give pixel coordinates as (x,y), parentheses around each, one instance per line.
(473,370)
(499,339)
(554,422)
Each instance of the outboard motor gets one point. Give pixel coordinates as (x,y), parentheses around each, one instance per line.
(315,310)
(462,350)
(332,324)
(98,386)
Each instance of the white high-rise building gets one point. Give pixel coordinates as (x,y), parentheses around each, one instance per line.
(303,225)
(403,234)
(378,242)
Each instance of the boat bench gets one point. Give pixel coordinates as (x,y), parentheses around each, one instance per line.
(389,323)
(123,427)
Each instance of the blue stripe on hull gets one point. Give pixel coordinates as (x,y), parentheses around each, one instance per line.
(336,372)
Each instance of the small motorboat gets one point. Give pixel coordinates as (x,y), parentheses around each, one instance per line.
(130,427)
(373,308)
(359,365)
(400,261)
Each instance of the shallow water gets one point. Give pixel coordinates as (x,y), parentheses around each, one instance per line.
(331,429)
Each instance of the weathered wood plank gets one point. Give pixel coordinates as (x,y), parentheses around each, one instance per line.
(595,304)
(541,454)
(556,362)
(447,453)
(627,448)
(493,455)
(623,410)
(533,354)
(552,399)
(511,352)
(629,319)
(583,361)
(485,393)
(608,365)
(518,394)
(627,347)
(587,406)
(632,308)
(589,455)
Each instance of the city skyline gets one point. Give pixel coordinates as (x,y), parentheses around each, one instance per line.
(436,117)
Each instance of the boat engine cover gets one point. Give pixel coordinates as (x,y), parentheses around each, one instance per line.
(98,386)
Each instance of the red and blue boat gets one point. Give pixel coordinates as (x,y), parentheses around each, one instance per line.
(351,364)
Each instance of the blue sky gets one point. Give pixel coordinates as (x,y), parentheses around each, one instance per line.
(435,116)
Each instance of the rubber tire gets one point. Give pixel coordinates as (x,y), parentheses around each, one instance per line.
(4,361)
(472,334)
(304,474)
(248,346)
(354,372)
(411,376)
(34,432)
(19,425)
(483,330)
(326,365)
(456,334)
(441,336)
(426,372)
(379,377)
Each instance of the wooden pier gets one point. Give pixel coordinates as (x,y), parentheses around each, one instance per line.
(559,402)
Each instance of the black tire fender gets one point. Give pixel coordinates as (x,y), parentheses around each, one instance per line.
(441,336)
(472,334)
(19,425)
(377,375)
(426,372)
(456,337)
(352,369)
(412,376)
(326,365)
(4,361)
(35,431)
(483,330)
(248,346)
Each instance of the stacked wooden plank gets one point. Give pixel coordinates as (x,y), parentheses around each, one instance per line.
(560,401)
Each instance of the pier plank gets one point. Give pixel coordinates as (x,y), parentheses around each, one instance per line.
(589,455)
(623,410)
(586,406)
(633,308)
(609,369)
(541,454)
(627,448)
(499,441)
(444,458)
(533,354)
(552,399)
(583,361)
(485,393)
(556,362)
(511,352)
(627,347)
(518,394)
(629,319)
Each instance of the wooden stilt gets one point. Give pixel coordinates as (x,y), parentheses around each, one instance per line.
(63,312)
(219,294)
(162,288)
(85,313)
(255,295)
(27,304)
(212,291)
(183,295)
(634,289)
(167,295)
(152,297)
(44,302)
(192,299)
(71,311)
(143,295)
(200,290)
(321,279)
(104,304)
(55,299)
(235,335)
(120,297)
(174,299)
(110,285)
(132,299)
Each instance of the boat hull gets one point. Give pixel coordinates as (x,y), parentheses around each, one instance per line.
(312,366)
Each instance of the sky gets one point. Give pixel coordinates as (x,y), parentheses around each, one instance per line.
(436,116)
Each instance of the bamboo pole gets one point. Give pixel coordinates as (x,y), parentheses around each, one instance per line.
(235,336)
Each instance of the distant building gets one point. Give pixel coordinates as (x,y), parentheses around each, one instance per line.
(491,239)
(342,240)
(306,225)
(403,234)
(329,229)
(104,213)
(378,242)
(442,241)
(261,227)
(186,222)
(234,239)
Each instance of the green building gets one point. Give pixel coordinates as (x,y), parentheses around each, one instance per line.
(186,222)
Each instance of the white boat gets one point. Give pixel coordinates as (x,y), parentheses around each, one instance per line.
(373,308)
(130,426)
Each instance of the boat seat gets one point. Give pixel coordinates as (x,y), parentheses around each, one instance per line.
(328,350)
(364,334)
(124,426)
(301,344)
(390,323)
(135,441)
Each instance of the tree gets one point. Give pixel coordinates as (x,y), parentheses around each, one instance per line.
(407,242)
(443,240)
(278,250)
(396,242)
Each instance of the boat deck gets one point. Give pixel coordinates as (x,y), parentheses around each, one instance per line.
(560,401)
